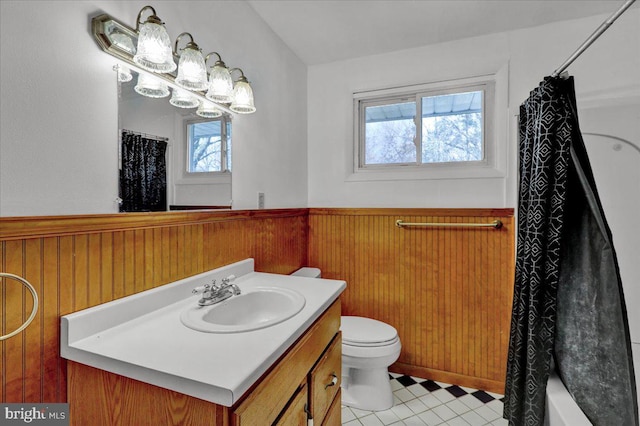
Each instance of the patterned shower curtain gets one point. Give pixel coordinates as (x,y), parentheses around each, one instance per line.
(568,303)
(143,176)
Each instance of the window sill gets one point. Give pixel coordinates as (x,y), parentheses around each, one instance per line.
(210,179)
(444,171)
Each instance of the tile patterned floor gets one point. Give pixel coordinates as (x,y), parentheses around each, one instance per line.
(420,402)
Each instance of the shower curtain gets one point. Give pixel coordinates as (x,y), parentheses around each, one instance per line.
(143,176)
(568,303)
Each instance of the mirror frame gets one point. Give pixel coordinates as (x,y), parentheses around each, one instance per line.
(104,25)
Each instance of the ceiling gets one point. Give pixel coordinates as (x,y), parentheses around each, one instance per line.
(322,31)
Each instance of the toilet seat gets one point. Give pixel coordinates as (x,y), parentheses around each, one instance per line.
(366,332)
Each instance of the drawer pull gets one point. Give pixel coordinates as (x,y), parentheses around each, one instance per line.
(333,382)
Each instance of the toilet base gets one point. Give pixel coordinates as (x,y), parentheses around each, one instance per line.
(367,389)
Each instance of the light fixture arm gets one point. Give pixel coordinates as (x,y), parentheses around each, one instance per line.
(242,76)
(218,62)
(190,45)
(152,18)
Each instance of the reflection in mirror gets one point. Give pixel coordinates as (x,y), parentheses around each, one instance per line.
(156,137)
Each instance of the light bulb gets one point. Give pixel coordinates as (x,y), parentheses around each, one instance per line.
(192,73)
(183,99)
(151,87)
(242,98)
(208,110)
(220,84)
(154,48)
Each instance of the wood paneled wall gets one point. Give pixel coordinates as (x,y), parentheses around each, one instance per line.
(448,291)
(75,262)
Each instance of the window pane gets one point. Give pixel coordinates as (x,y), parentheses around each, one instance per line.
(452,128)
(205,147)
(389,133)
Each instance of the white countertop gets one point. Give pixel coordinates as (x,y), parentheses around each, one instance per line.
(141,336)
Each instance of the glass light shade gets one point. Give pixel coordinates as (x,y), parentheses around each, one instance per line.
(220,85)
(192,73)
(123,41)
(154,49)
(151,87)
(124,74)
(208,110)
(183,99)
(242,98)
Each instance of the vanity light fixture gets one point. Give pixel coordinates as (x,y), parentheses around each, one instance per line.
(151,87)
(124,73)
(148,50)
(153,52)
(208,110)
(242,95)
(220,81)
(192,72)
(183,99)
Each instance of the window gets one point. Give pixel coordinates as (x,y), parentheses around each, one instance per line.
(209,145)
(424,128)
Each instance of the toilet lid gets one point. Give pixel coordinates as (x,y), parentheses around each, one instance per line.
(359,331)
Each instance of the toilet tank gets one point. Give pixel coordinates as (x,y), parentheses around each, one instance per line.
(307,272)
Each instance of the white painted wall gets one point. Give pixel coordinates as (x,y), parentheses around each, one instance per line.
(58,128)
(609,69)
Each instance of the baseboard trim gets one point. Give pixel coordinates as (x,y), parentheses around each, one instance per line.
(448,377)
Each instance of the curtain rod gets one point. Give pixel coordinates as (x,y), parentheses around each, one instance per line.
(602,28)
(147,135)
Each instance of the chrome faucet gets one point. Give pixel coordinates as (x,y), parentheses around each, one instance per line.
(212,294)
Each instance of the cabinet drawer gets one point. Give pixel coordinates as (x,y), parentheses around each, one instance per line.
(295,414)
(264,404)
(325,380)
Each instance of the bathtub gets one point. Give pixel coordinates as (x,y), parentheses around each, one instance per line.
(562,410)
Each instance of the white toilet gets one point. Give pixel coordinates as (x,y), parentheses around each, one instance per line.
(369,347)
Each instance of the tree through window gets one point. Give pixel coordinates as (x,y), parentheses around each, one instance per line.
(422,128)
(209,145)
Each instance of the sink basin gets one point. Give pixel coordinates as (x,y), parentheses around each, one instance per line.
(258,307)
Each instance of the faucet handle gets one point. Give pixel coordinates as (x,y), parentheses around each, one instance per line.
(201,289)
(226,281)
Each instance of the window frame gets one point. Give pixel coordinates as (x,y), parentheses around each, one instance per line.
(225,122)
(487,167)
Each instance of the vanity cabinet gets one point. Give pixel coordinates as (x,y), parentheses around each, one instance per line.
(306,379)
(319,392)
(324,381)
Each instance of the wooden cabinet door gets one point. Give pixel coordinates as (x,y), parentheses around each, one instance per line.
(325,380)
(334,415)
(296,414)
(265,403)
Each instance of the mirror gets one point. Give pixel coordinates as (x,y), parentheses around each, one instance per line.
(189,183)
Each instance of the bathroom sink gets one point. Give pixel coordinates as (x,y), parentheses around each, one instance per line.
(255,308)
